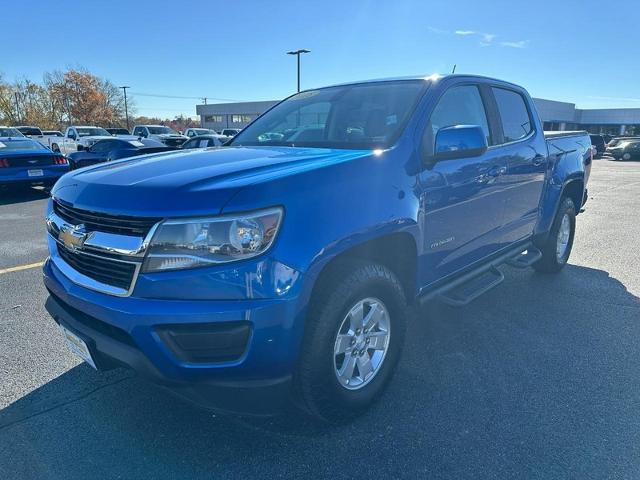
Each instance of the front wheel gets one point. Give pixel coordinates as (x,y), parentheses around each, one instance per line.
(557,247)
(626,156)
(353,337)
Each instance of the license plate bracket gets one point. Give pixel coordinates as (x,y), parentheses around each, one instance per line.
(78,346)
(35,172)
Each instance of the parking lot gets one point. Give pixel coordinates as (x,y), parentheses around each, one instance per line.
(537,379)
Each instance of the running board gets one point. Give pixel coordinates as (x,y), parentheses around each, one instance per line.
(464,293)
(467,286)
(526,258)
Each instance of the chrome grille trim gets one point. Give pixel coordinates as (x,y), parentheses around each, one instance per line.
(105,246)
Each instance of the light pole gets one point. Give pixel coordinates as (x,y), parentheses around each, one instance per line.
(126,110)
(297,53)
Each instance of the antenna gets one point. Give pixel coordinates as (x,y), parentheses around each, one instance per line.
(454,68)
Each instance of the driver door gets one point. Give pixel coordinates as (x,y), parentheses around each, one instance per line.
(461,201)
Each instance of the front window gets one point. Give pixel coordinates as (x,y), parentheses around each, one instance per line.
(161,131)
(370,115)
(92,132)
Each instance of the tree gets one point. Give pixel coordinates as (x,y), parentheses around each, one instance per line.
(85,98)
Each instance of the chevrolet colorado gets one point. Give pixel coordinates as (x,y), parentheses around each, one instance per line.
(279,271)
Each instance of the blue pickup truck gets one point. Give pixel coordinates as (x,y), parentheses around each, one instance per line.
(279,271)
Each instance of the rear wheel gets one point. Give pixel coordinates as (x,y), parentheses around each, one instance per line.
(557,247)
(55,148)
(626,156)
(353,337)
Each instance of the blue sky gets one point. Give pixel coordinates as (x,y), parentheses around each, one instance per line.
(577,51)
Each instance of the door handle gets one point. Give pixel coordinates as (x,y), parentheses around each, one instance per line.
(538,160)
(496,171)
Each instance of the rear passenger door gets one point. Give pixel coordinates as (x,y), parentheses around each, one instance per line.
(461,199)
(524,151)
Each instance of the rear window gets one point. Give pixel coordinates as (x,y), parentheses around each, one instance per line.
(516,122)
(9,132)
(30,131)
(7,145)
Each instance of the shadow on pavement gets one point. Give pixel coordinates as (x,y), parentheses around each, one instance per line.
(538,378)
(11,195)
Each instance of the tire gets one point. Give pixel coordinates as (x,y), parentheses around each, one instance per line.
(321,391)
(626,156)
(554,256)
(55,148)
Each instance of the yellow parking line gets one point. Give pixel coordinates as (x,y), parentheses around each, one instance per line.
(20,267)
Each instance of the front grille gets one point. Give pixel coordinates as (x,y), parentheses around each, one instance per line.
(31,161)
(103,270)
(174,142)
(121,225)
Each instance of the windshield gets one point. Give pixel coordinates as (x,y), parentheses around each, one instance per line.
(92,132)
(161,130)
(19,145)
(353,116)
(9,132)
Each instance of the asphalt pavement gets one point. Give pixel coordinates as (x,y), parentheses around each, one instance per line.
(539,378)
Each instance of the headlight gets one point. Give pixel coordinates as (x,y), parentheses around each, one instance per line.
(201,242)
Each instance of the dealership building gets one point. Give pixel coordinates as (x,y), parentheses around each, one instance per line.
(555,116)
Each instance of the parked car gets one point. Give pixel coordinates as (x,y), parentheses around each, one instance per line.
(598,142)
(270,273)
(166,135)
(107,150)
(626,150)
(38,135)
(194,132)
(230,132)
(116,132)
(617,140)
(78,138)
(10,132)
(203,141)
(24,161)
(607,138)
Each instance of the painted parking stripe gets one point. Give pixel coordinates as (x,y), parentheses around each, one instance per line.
(21,267)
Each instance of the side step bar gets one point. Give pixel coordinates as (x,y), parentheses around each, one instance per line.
(470,285)
(468,291)
(526,258)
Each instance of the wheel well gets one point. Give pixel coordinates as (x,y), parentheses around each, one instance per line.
(397,252)
(574,190)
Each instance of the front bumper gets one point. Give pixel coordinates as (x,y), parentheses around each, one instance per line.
(128,331)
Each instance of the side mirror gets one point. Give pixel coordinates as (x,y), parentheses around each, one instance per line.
(80,147)
(459,141)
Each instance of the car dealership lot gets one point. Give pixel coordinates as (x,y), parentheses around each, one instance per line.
(538,378)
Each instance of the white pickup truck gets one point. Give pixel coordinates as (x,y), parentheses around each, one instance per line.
(163,134)
(78,138)
(43,137)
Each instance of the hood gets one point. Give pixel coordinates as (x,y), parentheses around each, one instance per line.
(198,182)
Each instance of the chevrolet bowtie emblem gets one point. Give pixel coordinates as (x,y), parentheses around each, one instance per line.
(73,237)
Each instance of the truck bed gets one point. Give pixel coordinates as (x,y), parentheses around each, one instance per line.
(559,134)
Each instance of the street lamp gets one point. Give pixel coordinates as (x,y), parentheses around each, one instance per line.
(297,53)
(126,110)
